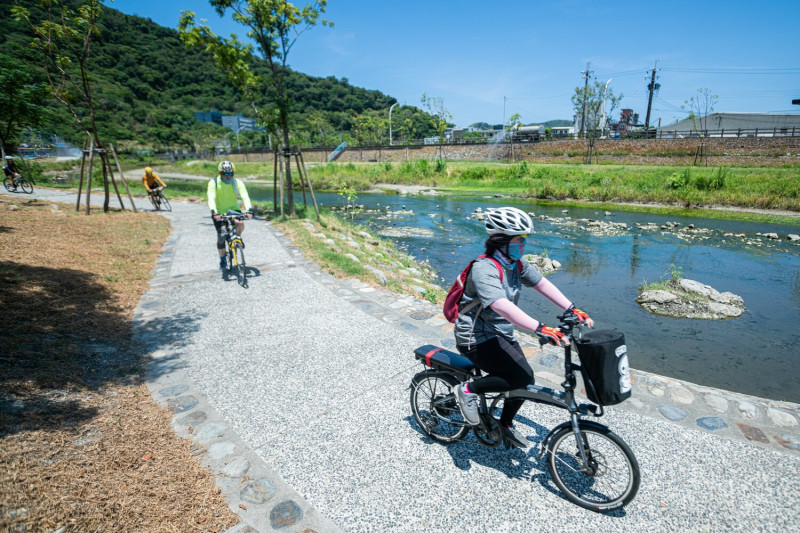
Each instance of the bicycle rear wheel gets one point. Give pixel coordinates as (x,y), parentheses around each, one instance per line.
(26,186)
(8,186)
(239,264)
(435,408)
(611,478)
(164,201)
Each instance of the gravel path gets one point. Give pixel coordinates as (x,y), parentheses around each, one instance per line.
(306,377)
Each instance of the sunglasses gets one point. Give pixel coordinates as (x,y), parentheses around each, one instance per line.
(228,174)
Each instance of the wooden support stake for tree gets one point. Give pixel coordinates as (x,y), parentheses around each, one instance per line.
(310,189)
(107,163)
(80,181)
(275,182)
(89,177)
(296,151)
(102,153)
(280,171)
(121,175)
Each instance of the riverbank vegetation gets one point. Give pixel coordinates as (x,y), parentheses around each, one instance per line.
(659,188)
(345,250)
(677,186)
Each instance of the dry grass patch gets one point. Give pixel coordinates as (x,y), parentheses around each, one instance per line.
(82,444)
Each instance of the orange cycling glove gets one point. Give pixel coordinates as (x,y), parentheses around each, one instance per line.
(548,335)
(583,317)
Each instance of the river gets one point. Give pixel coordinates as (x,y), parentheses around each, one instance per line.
(757,353)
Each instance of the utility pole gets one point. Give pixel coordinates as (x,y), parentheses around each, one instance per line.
(651,89)
(586,74)
(504,116)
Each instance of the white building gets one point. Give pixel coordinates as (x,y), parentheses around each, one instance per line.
(239,123)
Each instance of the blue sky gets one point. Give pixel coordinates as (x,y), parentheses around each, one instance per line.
(488,60)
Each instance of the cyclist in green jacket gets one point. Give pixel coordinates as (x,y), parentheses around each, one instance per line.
(224,193)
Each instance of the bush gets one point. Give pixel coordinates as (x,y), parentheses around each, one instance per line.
(679,180)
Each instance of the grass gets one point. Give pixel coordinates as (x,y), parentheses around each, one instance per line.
(77,423)
(664,189)
(402,272)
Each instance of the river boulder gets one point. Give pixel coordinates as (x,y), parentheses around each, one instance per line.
(686,298)
(545,265)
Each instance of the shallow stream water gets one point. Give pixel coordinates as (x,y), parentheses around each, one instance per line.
(757,353)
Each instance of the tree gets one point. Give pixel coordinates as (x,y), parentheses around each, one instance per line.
(699,106)
(434,105)
(369,128)
(275,26)
(594,102)
(21,101)
(64,38)
(319,127)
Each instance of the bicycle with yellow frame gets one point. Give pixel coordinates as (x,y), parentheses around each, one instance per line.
(234,246)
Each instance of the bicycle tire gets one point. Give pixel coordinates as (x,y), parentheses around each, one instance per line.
(154,201)
(164,201)
(8,186)
(614,469)
(239,263)
(435,408)
(26,186)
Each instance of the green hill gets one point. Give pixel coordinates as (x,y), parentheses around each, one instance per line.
(147,86)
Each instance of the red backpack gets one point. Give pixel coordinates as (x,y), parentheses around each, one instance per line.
(453,297)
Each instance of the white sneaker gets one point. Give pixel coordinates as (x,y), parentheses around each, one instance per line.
(467,404)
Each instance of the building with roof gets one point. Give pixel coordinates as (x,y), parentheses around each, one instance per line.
(735,125)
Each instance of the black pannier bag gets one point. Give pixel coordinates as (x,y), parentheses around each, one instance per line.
(604,366)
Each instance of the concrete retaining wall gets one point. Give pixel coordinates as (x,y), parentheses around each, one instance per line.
(761,151)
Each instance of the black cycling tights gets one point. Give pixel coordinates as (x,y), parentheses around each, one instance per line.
(507,370)
(218,225)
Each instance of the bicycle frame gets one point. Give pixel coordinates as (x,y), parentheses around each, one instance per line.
(462,369)
(579,452)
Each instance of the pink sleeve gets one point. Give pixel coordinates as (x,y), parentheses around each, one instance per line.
(506,309)
(551,292)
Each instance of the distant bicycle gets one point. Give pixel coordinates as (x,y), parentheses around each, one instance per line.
(22,184)
(158,199)
(234,246)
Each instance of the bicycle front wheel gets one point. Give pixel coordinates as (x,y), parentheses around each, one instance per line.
(164,202)
(154,201)
(435,408)
(239,264)
(8,186)
(26,186)
(608,482)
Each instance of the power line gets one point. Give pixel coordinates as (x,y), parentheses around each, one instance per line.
(735,70)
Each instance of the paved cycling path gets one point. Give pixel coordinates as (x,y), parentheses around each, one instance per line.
(296,391)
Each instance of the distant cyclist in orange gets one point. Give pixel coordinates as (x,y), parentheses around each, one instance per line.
(151,181)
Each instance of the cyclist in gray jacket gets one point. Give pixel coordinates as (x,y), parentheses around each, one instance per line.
(485,333)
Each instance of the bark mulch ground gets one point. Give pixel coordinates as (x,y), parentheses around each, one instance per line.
(83,447)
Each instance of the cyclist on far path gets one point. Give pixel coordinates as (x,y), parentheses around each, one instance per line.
(11,170)
(151,180)
(222,196)
(485,332)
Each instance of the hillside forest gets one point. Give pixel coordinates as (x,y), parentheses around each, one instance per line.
(147,86)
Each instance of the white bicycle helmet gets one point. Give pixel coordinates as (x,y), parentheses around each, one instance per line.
(226,167)
(508,221)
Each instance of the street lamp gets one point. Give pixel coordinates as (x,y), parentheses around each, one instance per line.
(390,123)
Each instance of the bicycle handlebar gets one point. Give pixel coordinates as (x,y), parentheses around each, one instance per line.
(235,215)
